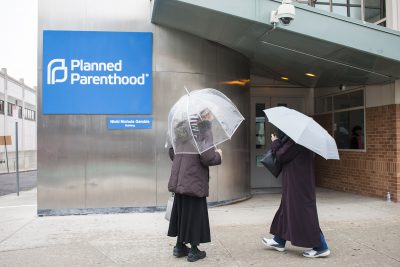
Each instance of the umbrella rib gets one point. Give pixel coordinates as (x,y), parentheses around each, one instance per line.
(188,119)
(237,126)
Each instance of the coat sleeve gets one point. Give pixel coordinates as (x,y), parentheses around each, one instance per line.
(210,158)
(171,153)
(285,152)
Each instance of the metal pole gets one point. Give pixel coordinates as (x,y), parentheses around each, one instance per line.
(5,147)
(362,10)
(16,149)
(330,6)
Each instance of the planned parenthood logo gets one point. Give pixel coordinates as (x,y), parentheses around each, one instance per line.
(97,72)
(79,65)
(51,71)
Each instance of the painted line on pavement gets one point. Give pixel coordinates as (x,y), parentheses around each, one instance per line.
(20,206)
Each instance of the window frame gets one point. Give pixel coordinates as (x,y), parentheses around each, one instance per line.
(2,107)
(10,109)
(20,112)
(348,5)
(333,112)
(29,114)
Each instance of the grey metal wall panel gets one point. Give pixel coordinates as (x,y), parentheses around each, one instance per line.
(82,164)
(234,173)
(120,166)
(178,52)
(62,152)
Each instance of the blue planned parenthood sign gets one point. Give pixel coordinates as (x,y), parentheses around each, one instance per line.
(89,72)
(129,123)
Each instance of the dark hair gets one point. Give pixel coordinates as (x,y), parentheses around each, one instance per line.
(182,131)
(356,128)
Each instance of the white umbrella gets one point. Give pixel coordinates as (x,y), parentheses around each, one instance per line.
(304,131)
(201,120)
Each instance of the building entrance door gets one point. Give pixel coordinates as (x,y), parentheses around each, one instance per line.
(260,138)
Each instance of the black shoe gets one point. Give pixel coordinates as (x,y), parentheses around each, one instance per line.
(181,251)
(195,254)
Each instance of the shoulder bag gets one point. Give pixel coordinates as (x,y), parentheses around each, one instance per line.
(271,163)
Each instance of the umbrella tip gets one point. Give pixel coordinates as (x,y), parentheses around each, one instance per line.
(187,91)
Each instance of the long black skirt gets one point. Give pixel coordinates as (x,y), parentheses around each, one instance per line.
(189,220)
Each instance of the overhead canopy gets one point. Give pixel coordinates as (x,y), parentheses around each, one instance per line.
(337,49)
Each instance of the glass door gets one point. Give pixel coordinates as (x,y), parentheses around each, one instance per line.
(260,139)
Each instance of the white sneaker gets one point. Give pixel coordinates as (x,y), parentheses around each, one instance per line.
(311,253)
(272,244)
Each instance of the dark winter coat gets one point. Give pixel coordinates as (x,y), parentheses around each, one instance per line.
(296,219)
(190,172)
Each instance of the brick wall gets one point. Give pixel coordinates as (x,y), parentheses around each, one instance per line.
(371,173)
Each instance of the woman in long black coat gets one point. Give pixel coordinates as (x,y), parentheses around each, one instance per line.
(190,182)
(296,219)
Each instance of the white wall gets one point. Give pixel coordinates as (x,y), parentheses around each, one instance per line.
(375,95)
(30,97)
(1,131)
(27,137)
(1,85)
(393,14)
(14,90)
(379,95)
(30,135)
(10,130)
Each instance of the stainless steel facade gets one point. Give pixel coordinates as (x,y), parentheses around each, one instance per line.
(84,167)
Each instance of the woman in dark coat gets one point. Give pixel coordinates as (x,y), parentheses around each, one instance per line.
(356,141)
(189,181)
(296,219)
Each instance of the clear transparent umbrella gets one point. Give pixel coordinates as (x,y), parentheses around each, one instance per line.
(304,131)
(202,119)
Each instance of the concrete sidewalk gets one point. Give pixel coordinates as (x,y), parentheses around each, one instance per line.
(360,231)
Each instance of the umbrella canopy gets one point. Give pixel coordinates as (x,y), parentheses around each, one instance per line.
(304,131)
(200,120)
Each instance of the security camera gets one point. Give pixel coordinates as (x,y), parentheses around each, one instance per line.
(285,13)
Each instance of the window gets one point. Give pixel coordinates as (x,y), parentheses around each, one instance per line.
(349,129)
(10,109)
(373,11)
(20,112)
(29,114)
(1,107)
(260,126)
(347,111)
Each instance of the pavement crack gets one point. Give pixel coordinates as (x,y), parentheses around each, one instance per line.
(226,249)
(23,249)
(372,248)
(19,229)
(101,252)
